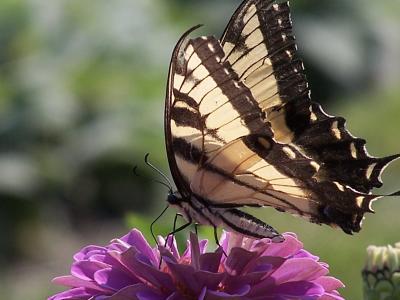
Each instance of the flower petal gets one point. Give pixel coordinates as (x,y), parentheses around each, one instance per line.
(331,296)
(298,269)
(192,280)
(232,282)
(135,238)
(88,251)
(298,289)
(194,250)
(148,295)
(285,249)
(329,283)
(74,282)
(135,292)
(176,296)
(85,269)
(184,276)
(224,240)
(240,293)
(266,262)
(238,259)
(202,246)
(113,279)
(143,270)
(208,279)
(235,240)
(305,253)
(210,261)
(74,294)
(164,252)
(202,294)
(172,246)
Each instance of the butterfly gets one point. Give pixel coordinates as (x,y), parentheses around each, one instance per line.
(241,130)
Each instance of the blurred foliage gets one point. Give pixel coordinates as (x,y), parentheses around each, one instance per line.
(82,85)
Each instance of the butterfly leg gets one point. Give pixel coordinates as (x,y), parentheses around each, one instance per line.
(181,228)
(176,230)
(217,241)
(152,224)
(173,229)
(196,225)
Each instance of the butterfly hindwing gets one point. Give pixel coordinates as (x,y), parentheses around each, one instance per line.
(277,175)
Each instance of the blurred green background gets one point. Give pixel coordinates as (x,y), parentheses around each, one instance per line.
(82,87)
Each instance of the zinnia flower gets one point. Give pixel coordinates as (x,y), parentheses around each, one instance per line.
(129,269)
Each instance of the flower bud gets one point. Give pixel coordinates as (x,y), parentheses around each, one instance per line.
(381,273)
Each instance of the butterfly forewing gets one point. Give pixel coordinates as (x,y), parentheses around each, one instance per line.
(261,47)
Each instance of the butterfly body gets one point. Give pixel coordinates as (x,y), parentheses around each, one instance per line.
(241,130)
(199,211)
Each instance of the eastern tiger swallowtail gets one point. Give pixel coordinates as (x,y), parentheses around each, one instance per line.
(241,130)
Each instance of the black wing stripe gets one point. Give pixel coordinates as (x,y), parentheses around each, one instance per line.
(237,23)
(186,150)
(185,98)
(239,95)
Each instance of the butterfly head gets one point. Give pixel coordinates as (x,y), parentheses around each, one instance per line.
(174,198)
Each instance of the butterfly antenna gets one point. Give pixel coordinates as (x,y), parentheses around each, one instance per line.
(150,179)
(146,160)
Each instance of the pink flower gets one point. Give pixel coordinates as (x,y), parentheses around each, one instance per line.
(129,269)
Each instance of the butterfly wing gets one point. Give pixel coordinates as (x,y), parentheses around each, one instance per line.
(241,129)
